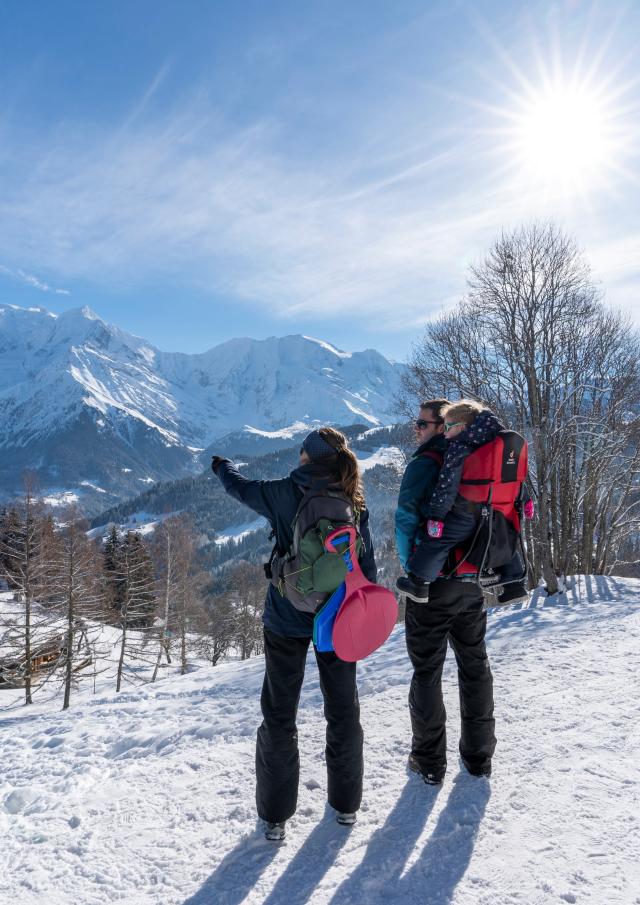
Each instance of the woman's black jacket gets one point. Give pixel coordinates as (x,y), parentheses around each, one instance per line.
(278,502)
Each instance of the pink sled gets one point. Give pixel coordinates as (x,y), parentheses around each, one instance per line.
(368,612)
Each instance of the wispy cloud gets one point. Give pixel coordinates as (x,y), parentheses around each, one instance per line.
(31,280)
(226,211)
(386,233)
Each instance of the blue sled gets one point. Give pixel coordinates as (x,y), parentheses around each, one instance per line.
(323,622)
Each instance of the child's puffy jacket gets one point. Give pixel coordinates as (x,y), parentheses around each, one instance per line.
(484,428)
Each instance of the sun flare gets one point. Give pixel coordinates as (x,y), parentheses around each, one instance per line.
(563,139)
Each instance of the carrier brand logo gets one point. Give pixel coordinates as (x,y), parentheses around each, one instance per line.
(512,458)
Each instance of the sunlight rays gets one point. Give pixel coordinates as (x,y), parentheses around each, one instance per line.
(560,127)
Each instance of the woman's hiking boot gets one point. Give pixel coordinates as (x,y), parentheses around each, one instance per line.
(274,832)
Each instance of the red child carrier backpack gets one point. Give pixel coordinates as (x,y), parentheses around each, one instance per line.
(491,486)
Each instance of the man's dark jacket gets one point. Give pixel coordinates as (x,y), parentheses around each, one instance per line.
(278,502)
(419,479)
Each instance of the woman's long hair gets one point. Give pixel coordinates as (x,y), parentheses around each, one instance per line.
(347,466)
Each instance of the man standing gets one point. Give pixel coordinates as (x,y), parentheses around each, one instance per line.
(421,475)
(452,614)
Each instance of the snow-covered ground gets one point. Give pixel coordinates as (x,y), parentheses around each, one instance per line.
(147,796)
(141,522)
(238,532)
(385,455)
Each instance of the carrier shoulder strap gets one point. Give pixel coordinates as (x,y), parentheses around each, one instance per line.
(433,454)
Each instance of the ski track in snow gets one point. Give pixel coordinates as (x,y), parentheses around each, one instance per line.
(147,797)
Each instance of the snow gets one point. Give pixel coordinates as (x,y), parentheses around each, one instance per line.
(64,498)
(361,413)
(147,528)
(373,430)
(42,627)
(92,486)
(285,433)
(385,455)
(103,399)
(141,522)
(239,532)
(147,796)
(328,347)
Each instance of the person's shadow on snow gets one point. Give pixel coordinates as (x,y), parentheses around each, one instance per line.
(312,861)
(238,872)
(377,877)
(444,859)
(447,854)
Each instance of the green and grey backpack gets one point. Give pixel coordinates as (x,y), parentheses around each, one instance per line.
(307,574)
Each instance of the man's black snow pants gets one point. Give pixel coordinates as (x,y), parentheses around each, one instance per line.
(453,614)
(277,760)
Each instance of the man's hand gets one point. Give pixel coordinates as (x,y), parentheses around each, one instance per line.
(435,528)
(215,462)
(529,509)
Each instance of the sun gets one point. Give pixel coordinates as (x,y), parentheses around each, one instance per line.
(564,134)
(562,139)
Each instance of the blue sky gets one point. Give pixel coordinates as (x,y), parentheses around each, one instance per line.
(196,171)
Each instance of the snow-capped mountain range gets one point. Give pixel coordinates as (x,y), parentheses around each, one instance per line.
(87,405)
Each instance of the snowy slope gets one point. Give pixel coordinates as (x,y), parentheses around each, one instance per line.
(80,397)
(147,797)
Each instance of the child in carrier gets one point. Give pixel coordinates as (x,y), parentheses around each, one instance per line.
(451,520)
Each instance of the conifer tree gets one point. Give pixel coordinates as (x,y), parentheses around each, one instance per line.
(113,579)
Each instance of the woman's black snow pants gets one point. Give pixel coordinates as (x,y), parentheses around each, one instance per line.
(453,614)
(277,760)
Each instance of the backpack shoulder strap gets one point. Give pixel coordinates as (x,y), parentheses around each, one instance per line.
(303,519)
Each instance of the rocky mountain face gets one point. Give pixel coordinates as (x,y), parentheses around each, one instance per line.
(99,414)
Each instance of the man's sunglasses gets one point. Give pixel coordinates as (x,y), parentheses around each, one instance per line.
(421,423)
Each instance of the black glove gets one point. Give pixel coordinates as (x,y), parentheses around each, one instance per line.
(215,463)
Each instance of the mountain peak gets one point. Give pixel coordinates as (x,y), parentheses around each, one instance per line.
(78,315)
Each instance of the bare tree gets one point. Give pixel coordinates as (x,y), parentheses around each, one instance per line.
(246,583)
(77,597)
(216,628)
(180,587)
(29,639)
(166,560)
(138,604)
(533,341)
